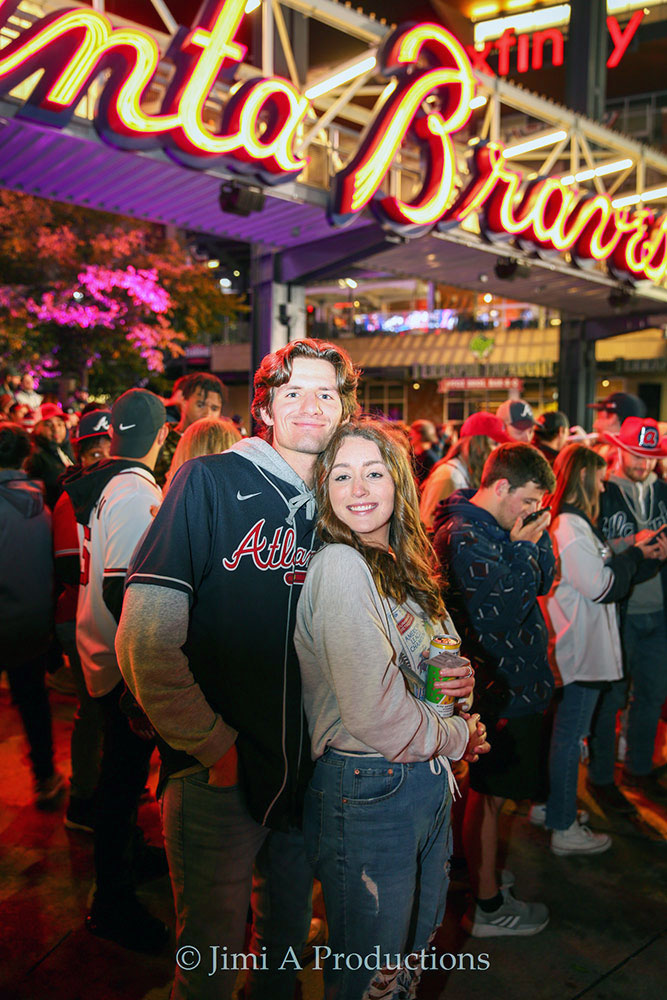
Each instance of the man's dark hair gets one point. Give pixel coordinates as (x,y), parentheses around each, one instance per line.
(276,369)
(89,408)
(519,464)
(202,381)
(14,445)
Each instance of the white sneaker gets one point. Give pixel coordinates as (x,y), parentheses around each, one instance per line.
(513,918)
(537,814)
(579,839)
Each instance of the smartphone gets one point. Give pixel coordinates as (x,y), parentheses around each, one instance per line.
(534,516)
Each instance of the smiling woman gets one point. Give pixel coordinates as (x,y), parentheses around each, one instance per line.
(368,612)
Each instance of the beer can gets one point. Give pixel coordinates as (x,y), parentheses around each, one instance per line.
(444,703)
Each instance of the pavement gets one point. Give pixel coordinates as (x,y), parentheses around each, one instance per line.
(606,939)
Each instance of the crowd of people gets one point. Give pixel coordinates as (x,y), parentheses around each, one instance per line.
(262,610)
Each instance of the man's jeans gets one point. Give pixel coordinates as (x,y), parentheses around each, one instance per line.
(123,775)
(644,641)
(212,846)
(572,723)
(379,836)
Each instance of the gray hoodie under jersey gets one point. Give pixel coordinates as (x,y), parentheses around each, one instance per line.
(647,597)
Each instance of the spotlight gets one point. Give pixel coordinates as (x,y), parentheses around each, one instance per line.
(508,268)
(621,297)
(237,199)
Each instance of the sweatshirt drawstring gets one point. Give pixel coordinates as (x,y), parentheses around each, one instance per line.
(437,765)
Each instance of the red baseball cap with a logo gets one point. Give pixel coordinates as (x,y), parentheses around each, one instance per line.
(640,436)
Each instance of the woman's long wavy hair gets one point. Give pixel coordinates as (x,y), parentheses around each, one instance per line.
(573,487)
(410,568)
(473,452)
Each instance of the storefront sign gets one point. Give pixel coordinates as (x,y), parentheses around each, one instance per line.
(464,384)
(530,47)
(431,84)
(520,370)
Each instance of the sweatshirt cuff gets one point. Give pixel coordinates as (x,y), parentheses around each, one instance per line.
(216,745)
(461,729)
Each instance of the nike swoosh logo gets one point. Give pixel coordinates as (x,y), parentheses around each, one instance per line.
(126,427)
(248,497)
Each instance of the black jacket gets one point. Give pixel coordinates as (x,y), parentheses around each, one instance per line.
(46,465)
(494,584)
(26,569)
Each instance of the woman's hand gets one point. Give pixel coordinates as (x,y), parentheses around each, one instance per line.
(477,742)
(459,673)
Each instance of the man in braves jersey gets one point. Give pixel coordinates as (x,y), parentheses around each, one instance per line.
(92,444)
(632,508)
(112,502)
(205,644)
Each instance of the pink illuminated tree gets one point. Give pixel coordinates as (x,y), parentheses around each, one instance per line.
(96,297)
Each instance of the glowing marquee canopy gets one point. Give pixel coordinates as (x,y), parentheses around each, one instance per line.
(426,100)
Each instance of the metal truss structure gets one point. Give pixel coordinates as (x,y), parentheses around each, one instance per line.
(572,147)
(540,137)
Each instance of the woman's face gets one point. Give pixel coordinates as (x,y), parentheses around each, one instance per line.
(361,491)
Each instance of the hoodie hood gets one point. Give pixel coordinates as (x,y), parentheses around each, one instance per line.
(23,495)
(85,487)
(266,459)
(639,497)
(459,505)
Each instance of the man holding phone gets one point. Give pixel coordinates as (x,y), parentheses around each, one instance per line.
(498,558)
(632,509)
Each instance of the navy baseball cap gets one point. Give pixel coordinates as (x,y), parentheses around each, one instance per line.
(95,423)
(516,412)
(136,417)
(623,404)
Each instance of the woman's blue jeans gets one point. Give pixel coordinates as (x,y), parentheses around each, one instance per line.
(572,723)
(379,837)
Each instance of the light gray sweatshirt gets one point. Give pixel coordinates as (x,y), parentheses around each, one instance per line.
(361,659)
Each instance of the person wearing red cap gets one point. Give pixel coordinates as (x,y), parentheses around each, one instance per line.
(461,468)
(51,454)
(634,506)
(611,412)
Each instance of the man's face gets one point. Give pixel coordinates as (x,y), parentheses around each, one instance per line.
(606,422)
(636,469)
(96,451)
(306,410)
(201,404)
(517,502)
(58,429)
(13,381)
(524,434)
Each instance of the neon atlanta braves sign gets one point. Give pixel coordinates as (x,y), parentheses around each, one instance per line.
(427,98)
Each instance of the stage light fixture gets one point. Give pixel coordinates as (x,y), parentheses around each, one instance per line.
(508,268)
(621,297)
(237,199)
